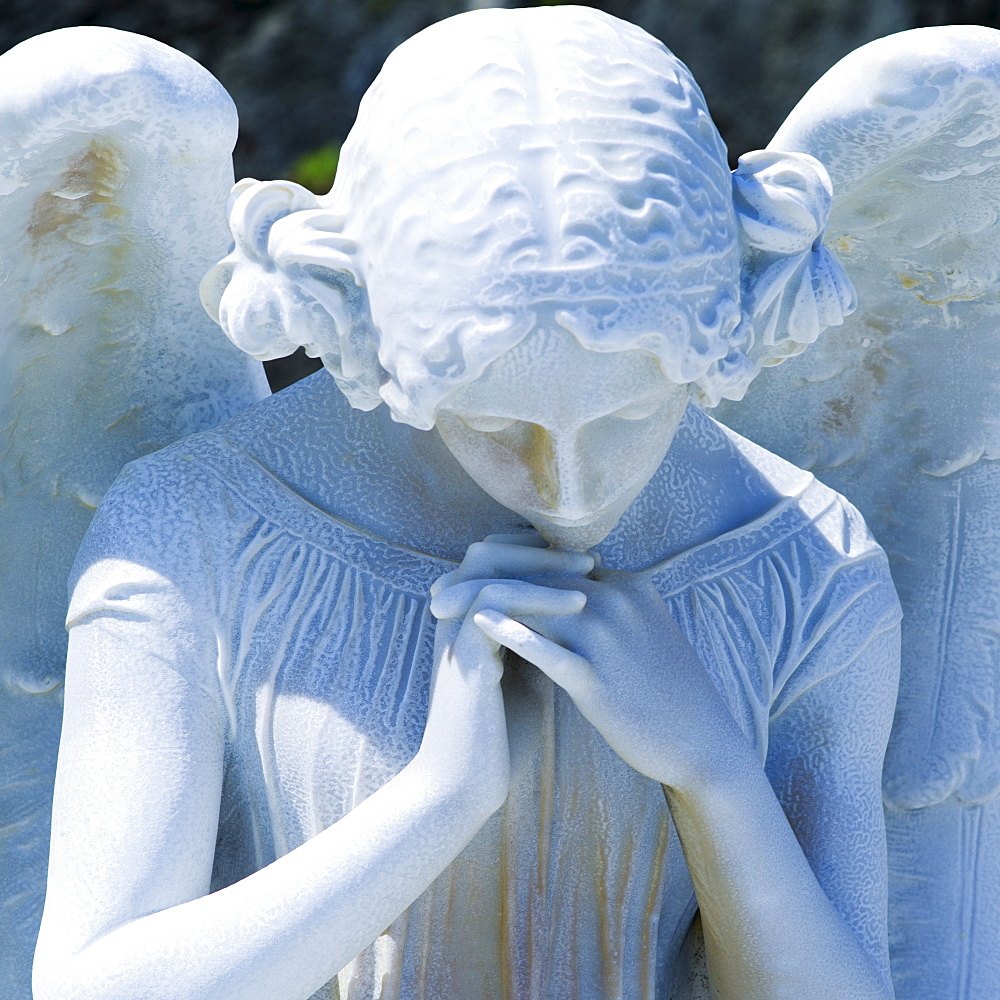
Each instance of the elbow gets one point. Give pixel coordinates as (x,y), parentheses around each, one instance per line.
(75,978)
(44,987)
(49,980)
(62,973)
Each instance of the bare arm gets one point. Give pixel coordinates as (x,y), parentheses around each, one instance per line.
(795,910)
(785,916)
(136,813)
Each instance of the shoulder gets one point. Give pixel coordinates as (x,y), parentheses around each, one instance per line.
(835,556)
(801,588)
(825,608)
(837,598)
(188,488)
(158,498)
(761,517)
(142,541)
(845,603)
(165,520)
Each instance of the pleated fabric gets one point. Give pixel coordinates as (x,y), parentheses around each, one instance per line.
(321,653)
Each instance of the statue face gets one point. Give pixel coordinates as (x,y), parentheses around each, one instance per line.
(564,436)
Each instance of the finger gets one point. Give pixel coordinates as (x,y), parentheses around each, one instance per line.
(529,538)
(566,668)
(514,597)
(474,654)
(493,559)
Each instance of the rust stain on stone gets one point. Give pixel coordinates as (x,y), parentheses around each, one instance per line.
(540,458)
(839,415)
(845,244)
(946,299)
(874,363)
(85,194)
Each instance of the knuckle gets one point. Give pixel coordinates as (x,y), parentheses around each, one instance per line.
(476,551)
(493,591)
(443,582)
(490,596)
(588,682)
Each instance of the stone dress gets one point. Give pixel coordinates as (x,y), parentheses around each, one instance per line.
(316,640)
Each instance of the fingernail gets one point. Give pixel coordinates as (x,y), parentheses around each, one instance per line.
(489,621)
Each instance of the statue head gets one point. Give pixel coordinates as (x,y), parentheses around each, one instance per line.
(520,179)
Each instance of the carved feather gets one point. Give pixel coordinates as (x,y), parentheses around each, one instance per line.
(115,164)
(899,409)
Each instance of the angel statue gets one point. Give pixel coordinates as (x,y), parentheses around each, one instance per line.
(116,160)
(899,410)
(535,682)
(481,693)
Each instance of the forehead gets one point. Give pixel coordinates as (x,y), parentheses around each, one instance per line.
(549,379)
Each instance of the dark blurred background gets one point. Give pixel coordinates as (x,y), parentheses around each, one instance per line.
(297,68)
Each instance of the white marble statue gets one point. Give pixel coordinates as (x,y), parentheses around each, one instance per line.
(114,161)
(899,410)
(479,693)
(534,255)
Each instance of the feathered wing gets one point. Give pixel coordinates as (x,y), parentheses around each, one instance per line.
(115,165)
(899,409)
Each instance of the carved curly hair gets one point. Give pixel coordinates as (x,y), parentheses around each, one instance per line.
(507,167)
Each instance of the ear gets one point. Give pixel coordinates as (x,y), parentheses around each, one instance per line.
(792,286)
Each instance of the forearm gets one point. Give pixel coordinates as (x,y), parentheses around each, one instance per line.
(282,932)
(770,930)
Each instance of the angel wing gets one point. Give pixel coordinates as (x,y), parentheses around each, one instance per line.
(899,409)
(115,165)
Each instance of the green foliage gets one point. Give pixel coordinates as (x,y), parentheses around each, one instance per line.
(316,170)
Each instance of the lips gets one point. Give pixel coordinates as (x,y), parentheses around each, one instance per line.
(568,522)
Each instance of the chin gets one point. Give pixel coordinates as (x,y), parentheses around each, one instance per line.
(577,537)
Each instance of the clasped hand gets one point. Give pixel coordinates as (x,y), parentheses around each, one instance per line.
(605,637)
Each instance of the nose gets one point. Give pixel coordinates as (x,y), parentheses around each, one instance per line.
(561,474)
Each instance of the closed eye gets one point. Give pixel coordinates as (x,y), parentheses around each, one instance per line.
(488,425)
(639,410)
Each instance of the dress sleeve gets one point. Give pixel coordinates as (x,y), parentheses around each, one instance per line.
(141,758)
(830,721)
(145,569)
(149,519)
